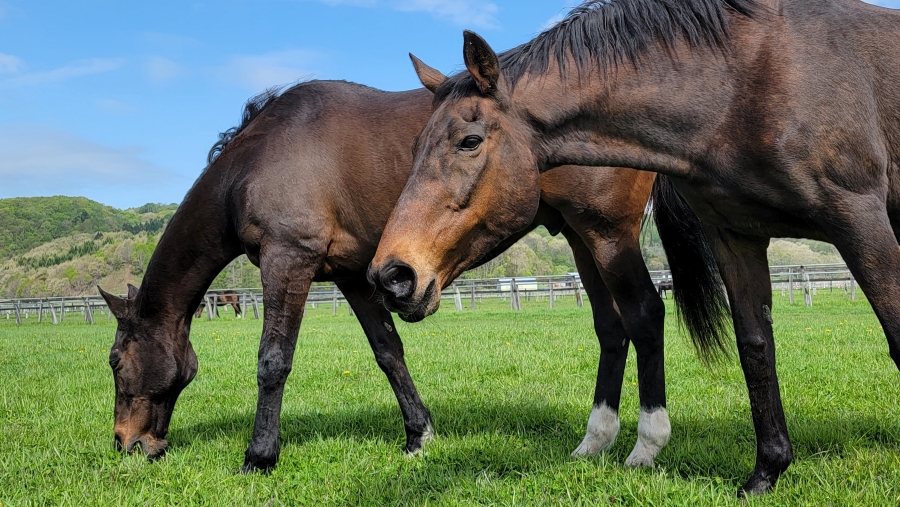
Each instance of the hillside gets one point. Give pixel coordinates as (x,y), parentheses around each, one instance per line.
(65,246)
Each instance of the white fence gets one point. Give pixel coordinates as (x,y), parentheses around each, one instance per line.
(805,280)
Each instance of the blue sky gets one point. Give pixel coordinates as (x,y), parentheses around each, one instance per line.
(120,101)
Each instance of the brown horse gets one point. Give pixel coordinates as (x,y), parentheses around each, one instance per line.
(232,300)
(304,187)
(771,118)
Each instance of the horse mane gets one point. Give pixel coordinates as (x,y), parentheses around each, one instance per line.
(607,33)
(254,106)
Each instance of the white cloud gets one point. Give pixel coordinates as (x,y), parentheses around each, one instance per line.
(9,64)
(470,13)
(460,12)
(74,69)
(37,160)
(258,72)
(161,69)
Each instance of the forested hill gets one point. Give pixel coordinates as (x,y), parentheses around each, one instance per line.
(27,222)
(66,246)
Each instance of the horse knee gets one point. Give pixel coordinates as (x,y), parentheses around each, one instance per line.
(273,369)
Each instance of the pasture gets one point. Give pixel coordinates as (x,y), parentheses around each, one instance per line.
(509,392)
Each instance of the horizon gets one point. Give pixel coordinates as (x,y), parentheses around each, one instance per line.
(121,103)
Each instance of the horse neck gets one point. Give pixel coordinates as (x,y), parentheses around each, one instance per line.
(196,245)
(625,118)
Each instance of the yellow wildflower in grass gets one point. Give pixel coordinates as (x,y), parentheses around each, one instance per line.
(808,328)
(346,372)
(508,343)
(827,330)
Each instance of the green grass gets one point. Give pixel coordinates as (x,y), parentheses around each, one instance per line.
(510,393)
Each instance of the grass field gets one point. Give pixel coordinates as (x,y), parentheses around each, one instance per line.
(509,392)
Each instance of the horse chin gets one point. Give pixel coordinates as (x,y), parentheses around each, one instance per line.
(428,304)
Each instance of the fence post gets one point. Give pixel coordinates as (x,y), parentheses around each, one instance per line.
(473,296)
(552,295)
(578,299)
(40,310)
(334,301)
(18,313)
(243,304)
(457,299)
(53,314)
(88,311)
(852,288)
(791,285)
(514,302)
(807,290)
(255,306)
(62,312)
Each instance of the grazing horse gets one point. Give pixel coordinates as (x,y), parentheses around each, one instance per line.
(767,118)
(222,300)
(304,187)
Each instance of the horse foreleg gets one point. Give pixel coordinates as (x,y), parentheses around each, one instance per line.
(286,276)
(378,325)
(745,272)
(603,423)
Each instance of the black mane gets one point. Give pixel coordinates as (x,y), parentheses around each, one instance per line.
(606,33)
(252,109)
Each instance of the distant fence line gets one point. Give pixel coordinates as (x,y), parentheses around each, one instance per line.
(805,280)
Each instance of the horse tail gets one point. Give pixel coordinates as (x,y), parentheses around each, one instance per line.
(253,108)
(700,300)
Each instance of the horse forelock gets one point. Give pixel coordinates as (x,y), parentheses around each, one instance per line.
(603,34)
(253,108)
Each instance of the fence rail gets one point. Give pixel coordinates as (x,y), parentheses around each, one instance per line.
(806,280)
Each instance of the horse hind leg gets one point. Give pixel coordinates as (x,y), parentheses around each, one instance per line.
(603,423)
(379,327)
(625,276)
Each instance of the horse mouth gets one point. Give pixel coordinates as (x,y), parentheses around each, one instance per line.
(153,448)
(426,305)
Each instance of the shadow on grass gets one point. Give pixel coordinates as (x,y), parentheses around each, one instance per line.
(518,438)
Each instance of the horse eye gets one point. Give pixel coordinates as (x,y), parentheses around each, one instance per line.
(470,143)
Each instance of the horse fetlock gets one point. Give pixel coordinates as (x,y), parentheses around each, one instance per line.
(602,430)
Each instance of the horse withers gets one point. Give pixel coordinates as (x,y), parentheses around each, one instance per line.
(763,118)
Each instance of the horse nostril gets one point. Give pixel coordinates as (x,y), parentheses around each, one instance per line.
(120,444)
(399,279)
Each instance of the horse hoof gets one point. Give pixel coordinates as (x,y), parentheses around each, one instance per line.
(415,444)
(757,484)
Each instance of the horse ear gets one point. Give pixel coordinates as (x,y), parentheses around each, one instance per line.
(132,291)
(481,61)
(430,77)
(118,306)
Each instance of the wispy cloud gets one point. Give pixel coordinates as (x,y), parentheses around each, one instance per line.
(37,160)
(471,13)
(161,69)
(257,72)
(115,107)
(9,64)
(71,70)
(550,23)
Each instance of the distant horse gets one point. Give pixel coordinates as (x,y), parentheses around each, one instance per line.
(222,300)
(304,187)
(770,118)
